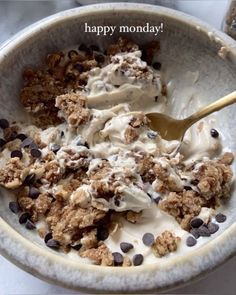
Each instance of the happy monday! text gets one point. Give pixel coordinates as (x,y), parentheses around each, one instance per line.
(109,30)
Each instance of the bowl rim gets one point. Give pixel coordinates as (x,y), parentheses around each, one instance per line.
(30,252)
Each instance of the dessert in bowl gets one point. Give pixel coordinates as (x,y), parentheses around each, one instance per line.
(99,193)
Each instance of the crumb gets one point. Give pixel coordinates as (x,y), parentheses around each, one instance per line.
(101,255)
(165,243)
(72,107)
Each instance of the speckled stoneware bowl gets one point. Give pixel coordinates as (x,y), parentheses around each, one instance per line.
(187,44)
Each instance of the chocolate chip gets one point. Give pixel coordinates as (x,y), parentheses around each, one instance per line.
(4,123)
(220,217)
(33,192)
(187,188)
(83,47)
(30,179)
(214,133)
(24,217)
(151,134)
(16,154)
(213,227)
(72,53)
(117,201)
(36,153)
(62,133)
(54,244)
(94,47)
(118,258)
(2,142)
(148,239)
(102,233)
(55,148)
(137,259)
(157,65)
(47,237)
(30,225)
(26,142)
(79,67)
(194,182)
(204,231)
(126,247)
(76,247)
(157,200)
(99,58)
(21,136)
(14,207)
(196,222)
(190,242)
(195,233)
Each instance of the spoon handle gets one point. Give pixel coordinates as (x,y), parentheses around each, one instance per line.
(211,108)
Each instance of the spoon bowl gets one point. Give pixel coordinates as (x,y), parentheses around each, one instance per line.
(173,129)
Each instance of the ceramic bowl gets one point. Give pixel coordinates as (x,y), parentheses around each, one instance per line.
(187,45)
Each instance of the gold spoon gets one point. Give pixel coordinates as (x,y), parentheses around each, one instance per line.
(173,129)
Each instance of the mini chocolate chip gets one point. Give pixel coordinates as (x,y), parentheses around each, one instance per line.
(26,142)
(117,201)
(213,227)
(148,239)
(214,133)
(157,200)
(4,123)
(196,222)
(47,237)
(151,134)
(30,225)
(187,188)
(94,47)
(21,136)
(83,47)
(72,53)
(54,244)
(118,258)
(79,67)
(195,233)
(157,65)
(126,247)
(76,247)
(55,148)
(204,231)
(62,133)
(190,242)
(33,192)
(156,98)
(24,217)
(220,217)
(36,153)
(30,179)
(102,233)
(2,142)
(14,207)
(99,58)
(16,154)
(137,259)
(194,182)
(86,145)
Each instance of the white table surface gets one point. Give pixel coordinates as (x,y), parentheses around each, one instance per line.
(15,15)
